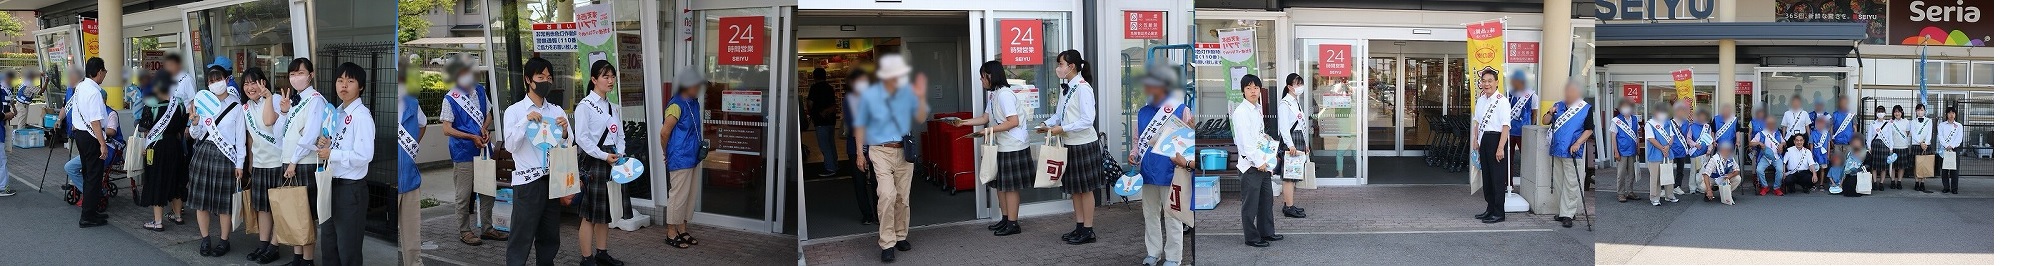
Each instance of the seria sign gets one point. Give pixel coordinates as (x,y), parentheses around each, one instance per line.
(1653,9)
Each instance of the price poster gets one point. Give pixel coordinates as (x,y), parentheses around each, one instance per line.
(1020,45)
(1143,25)
(555,37)
(742,40)
(1335,60)
(741,101)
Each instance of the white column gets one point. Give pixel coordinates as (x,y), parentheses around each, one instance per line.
(1555,51)
(113,50)
(1725,89)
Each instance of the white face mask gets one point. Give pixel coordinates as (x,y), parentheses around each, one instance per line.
(1626,110)
(402,89)
(465,81)
(1660,116)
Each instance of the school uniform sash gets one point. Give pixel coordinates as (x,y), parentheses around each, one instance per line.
(209,114)
(162,121)
(265,137)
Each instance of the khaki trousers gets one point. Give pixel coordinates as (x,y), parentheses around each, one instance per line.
(410,231)
(1162,236)
(1664,175)
(683,199)
(1566,174)
(1726,191)
(891,186)
(461,182)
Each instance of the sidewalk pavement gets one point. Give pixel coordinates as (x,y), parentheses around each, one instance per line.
(1119,227)
(1394,225)
(1889,227)
(716,245)
(178,241)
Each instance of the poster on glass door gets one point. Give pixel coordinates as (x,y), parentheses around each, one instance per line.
(596,41)
(1237,56)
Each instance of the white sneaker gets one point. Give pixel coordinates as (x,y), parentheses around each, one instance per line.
(1834,190)
(6,192)
(1672,199)
(1653,202)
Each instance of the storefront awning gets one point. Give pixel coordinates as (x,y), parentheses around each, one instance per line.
(1732,30)
(451,40)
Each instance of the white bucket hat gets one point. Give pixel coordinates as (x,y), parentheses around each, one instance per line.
(892,66)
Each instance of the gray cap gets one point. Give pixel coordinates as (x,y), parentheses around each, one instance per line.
(689,78)
(458,65)
(1161,76)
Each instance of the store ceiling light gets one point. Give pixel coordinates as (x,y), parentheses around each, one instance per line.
(1420,31)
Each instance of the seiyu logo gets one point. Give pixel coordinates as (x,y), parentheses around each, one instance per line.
(1956,13)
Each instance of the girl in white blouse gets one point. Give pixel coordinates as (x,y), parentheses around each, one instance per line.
(600,139)
(1258,160)
(264,136)
(1798,164)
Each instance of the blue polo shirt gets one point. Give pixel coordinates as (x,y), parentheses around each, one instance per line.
(1156,168)
(886,116)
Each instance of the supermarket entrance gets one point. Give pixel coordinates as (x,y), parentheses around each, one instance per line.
(835,42)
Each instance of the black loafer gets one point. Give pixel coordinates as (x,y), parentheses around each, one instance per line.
(1494,219)
(1259,244)
(1275,237)
(1565,221)
(1012,228)
(888,255)
(92,223)
(902,245)
(1482,215)
(204,247)
(997,226)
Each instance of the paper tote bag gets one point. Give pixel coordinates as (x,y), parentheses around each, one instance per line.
(484,175)
(240,212)
(564,171)
(292,220)
(1926,166)
(990,161)
(1050,162)
(1178,206)
(246,207)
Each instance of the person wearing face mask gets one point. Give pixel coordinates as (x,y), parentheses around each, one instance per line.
(1522,102)
(535,214)
(219,162)
(263,112)
(1920,147)
(1162,234)
(1491,117)
(1696,132)
(1796,120)
(407,134)
(1074,124)
(1571,128)
(1257,163)
(466,113)
(863,180)
(302,124)
(887,113)
(348,149)
(603,145)
(1015,167)
(1295,125)
(1767,142)
(1725,127)
(1878,146)
(1662,137)
(1627,160)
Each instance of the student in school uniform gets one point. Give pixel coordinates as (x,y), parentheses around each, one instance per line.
(1258,225)
(601,144)
(1950,135)
(165,178)
(218,162)
(535,215)
(347,151)
(1879,139)
(263,114)
(1899,131)
(1920,144)
(303,126)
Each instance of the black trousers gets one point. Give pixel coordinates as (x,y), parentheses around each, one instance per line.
(93,190)
(1798,182)
(1683,170)
(534,223)
(1948,180)
(339,238)
(863,188)
(1258,214)
(1493,172)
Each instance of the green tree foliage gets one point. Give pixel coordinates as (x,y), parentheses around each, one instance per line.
(410,20)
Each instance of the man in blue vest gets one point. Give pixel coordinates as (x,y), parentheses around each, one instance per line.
(1769,143)
(410,178)
(1523,107)
(1843,128)
(1571,128)
(1681,143)
(465,112)
(1628,162)
(1658,138)
(1699,134)
(1724,126)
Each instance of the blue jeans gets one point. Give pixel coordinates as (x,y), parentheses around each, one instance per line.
(75,168)
(5,176)
(825,147)
(1768,179)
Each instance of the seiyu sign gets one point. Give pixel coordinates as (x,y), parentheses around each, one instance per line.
(1653,9)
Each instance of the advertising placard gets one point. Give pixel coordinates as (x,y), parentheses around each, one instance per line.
(1335,60)
(555,37)
(1237,56)
(1681,80)
(1940,22)
(1522,52)
(741,101)
(1019,44)
(1485,60)
(596,43)
(742,41)
(1143,25)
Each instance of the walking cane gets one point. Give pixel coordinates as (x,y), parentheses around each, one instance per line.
(1582,198)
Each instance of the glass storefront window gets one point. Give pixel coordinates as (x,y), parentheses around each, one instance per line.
(1054,39)
(1213,78)
(1813,88)
(1984,73)
(735,168)
(251,34)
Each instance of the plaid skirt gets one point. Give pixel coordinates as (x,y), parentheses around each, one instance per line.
(1014,170)
(1082,169)
(211,179)
(591,200)
(262,179)
(1906,159)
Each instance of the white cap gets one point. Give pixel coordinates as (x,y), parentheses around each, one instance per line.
(892,66)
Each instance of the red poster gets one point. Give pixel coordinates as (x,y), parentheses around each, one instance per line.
(1143,25)
(1632,92)
(1744,87)
(1522,52)
(1335,60)
(742,41)
(1019,44)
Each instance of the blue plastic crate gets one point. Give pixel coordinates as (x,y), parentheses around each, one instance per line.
(1204,192)
(28,138)
(1212,159)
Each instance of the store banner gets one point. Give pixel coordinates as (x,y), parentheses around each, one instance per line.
(1937,22)
(91,36)
(1871,12)
(1237,56)
(1632,92)
(596,42)
(555,37)
(1485,58)
(743,41)
(1143,25)
(1522,53)
(1335,60)
(1020,45)
(1681,80)
(1744,87)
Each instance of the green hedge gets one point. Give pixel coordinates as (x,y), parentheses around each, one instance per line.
(430,89)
